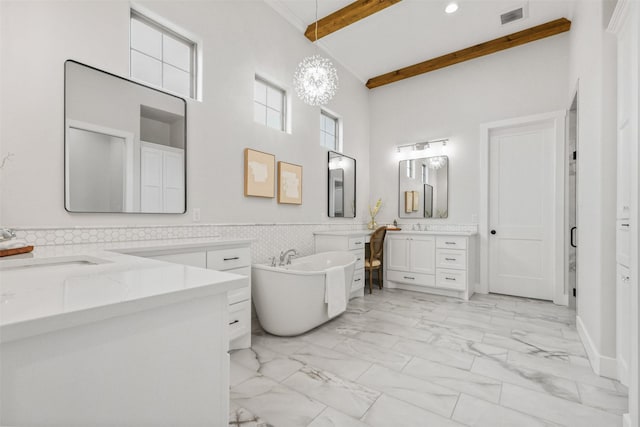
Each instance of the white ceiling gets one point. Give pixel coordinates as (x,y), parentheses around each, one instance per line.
(413,31)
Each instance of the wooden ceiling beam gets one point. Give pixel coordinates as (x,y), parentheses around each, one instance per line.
(487,48)
(346,16)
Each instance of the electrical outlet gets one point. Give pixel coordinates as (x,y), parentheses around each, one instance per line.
(196,214)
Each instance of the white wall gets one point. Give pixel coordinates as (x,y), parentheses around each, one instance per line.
(452,103)
(592,70)
(240,39)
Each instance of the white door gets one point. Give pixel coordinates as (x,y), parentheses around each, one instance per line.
(521,210)
(151,180)
(173,181)
(423,254)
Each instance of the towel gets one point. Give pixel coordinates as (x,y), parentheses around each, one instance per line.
(334,291)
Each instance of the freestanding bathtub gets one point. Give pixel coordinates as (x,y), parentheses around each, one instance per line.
(289,300)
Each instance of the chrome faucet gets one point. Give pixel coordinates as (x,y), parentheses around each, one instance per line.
(285,257)
(7,234)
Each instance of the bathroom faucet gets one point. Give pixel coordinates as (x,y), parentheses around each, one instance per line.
(285,257)
(7,234)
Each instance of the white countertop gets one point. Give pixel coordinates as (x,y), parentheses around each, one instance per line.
(357,233)
(35,300)
(348,233)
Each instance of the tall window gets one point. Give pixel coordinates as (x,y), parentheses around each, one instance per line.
(269,104)
(162,57)
(329,131)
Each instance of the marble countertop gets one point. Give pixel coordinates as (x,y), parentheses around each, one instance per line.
(85,283)
(357,233)
(437,233)
(347,233)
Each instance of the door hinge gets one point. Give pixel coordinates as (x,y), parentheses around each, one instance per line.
(575,153)
(574,292)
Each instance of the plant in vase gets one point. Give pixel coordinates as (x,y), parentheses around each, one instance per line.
(373,212)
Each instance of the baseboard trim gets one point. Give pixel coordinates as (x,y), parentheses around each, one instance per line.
(602,365)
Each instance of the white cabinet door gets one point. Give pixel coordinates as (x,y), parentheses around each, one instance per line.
(397,253)
(422,254)
(162,178)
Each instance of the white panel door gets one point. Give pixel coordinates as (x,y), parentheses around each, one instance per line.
(397,253)
(173,181)
(151,180)
(423,254)
(521,210)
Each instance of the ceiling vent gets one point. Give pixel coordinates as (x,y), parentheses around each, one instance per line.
(514,15)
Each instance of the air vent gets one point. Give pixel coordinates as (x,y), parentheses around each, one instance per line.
(512,15)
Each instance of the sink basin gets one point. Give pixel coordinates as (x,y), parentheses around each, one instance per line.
(62,261)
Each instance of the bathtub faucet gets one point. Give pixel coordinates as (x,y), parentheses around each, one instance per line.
(285,257)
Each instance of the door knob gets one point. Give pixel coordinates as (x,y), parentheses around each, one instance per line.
(493,231)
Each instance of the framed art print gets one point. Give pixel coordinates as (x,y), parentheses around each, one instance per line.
(289,183)
(259,173)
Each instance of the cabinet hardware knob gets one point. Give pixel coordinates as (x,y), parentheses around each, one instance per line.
(234,322)
(493,231)
(450,259)
(358,279)
(409,277)
(624,225)
(450,243)
(231,259)
(450,278)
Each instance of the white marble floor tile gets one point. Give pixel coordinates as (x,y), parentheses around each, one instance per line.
(446,356)
(340,364)
(475,412)
(278,344)
(615,402)
(279,405)
(240,374)
(333,418)
(373,353)
(348,397)
(555,409)
(377,316)
(241,417)
(527,377)
(266,362)
(455,379)
(323,336)
(571,371)
(443,328)
(410,389)
(390,412)
(469,347)
(378,338)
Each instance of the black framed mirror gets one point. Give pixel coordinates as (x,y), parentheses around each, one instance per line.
(423,190)
(341,186)
(125,145)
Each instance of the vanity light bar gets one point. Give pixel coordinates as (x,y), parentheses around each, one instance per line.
(422,145)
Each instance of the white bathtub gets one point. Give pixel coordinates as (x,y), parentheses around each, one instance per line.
(289,300)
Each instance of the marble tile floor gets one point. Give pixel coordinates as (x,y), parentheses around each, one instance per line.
(399,358)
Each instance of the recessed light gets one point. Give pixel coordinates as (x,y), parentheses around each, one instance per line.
(451,7)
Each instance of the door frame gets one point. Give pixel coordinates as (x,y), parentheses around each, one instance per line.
(557,118)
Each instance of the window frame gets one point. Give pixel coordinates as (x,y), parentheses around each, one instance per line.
(283,112)
(165,28)
(337,130)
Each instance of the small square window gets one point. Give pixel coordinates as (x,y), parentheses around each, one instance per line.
(161,57)
(269,104)
(329,131)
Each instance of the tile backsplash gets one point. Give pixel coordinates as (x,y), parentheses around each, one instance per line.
(269,239)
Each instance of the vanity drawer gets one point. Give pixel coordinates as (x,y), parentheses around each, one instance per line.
(411,278)
(239,319)
(359,253)
(356,242)
(226,259)
(358,280)
(451,279)
(451,258)
(243,293)
(451,242)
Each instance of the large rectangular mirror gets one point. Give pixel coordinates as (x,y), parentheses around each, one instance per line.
(125,145)
(342,186)
(424,188)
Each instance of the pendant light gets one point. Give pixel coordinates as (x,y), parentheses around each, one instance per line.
(315,79)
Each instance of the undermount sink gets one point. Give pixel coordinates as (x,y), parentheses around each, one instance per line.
(62,261)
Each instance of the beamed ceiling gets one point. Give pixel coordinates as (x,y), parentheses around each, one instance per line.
(384,41)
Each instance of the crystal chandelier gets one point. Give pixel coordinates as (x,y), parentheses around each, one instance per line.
(437,162)
(315,79)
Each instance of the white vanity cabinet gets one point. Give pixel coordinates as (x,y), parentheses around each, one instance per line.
(229,256)
(352,241)
(431,262)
